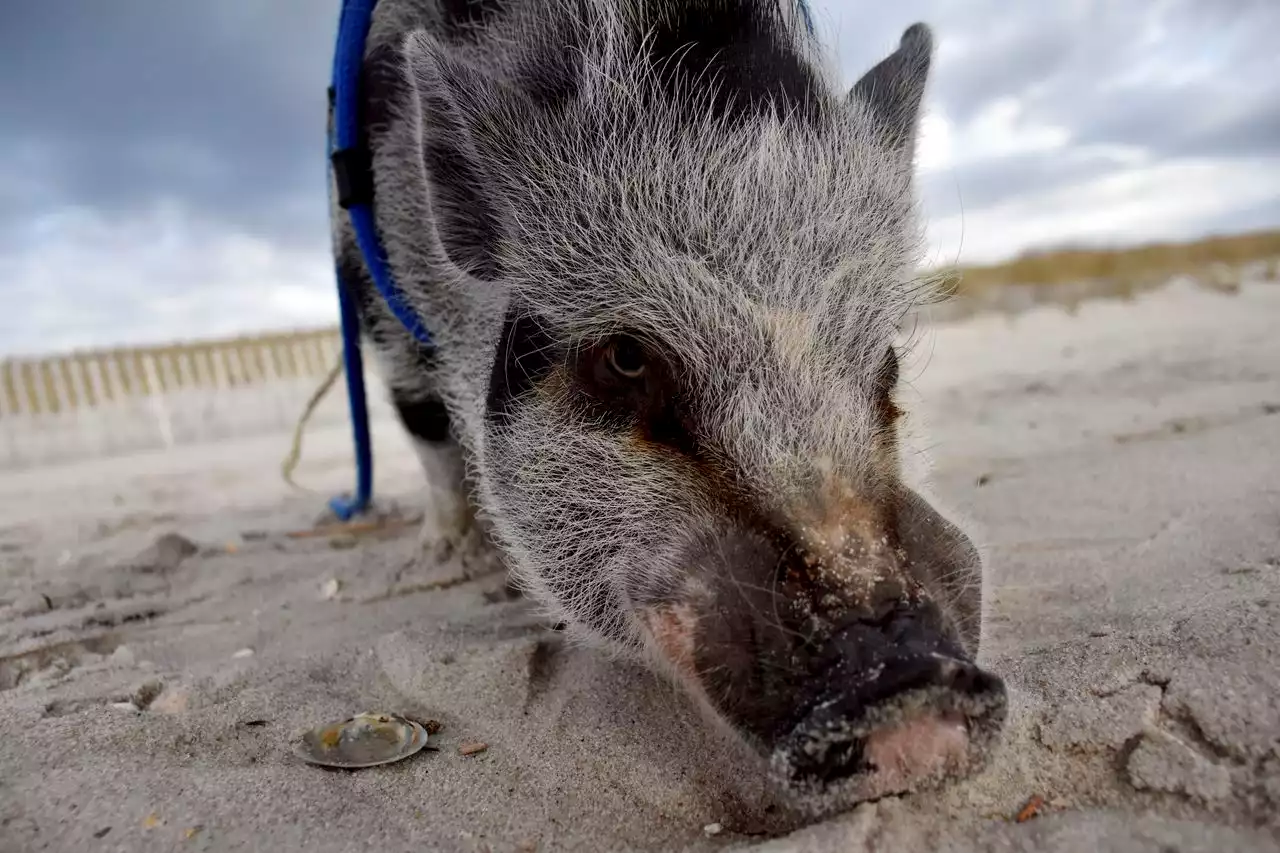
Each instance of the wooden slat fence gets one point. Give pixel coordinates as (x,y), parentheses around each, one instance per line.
(113,401)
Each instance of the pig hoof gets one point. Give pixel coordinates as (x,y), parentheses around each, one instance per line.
(444,534)
(455,537)
(475,554)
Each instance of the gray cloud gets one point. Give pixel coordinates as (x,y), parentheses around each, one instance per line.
(113,110)
(219,104)
(1205,120)
(1012,62)
(1249,218)
(991,182)
(1209,86)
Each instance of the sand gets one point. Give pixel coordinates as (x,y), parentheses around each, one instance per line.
(1120,469)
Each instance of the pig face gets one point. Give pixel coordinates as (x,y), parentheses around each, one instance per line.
(690,438)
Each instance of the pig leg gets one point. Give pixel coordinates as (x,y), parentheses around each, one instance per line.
(449,517)
(409,371)
(450,529)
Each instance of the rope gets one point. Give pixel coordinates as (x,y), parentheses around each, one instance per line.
(295,446)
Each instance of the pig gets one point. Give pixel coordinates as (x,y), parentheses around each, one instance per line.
(664,256)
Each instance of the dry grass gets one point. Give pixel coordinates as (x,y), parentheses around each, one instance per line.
(1211,257)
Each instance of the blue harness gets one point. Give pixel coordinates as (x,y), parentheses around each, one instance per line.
(353,179)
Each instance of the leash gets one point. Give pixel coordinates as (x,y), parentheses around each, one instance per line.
(352,165)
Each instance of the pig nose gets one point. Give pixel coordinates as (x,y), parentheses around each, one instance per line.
(900,703)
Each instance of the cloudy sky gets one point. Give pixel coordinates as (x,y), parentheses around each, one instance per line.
(162,163)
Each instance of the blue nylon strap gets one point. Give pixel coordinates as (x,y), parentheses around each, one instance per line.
(353,31)
(346,507)
(807,15)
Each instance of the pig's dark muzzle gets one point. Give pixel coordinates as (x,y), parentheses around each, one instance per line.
(896,703)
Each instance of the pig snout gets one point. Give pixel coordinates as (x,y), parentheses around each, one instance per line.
(898,707)
(845,675)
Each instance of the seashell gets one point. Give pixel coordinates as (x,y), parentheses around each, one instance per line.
(365,740)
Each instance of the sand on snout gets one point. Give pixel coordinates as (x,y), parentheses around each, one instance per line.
(1119,470)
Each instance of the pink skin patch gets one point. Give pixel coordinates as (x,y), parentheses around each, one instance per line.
(673,628)
(907,753)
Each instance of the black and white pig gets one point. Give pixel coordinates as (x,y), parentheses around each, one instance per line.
(664,256)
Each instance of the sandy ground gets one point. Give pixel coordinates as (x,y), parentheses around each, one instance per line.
(1120,468)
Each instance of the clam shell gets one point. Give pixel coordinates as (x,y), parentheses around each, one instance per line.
(365,740)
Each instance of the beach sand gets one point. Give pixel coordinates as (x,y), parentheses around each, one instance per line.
(1119,468)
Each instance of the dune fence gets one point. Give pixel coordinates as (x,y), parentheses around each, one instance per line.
(127,400)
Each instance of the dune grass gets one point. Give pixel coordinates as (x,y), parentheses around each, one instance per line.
(1216,257)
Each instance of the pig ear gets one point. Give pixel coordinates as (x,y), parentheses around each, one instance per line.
(452,97)
(894,88)
(941,556)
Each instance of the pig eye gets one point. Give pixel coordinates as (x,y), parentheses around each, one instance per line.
(626,358)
